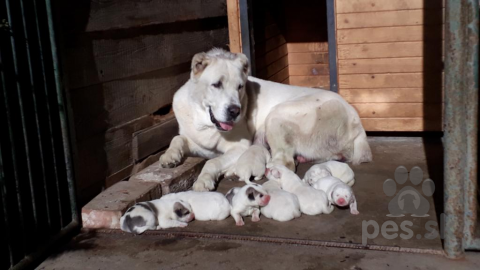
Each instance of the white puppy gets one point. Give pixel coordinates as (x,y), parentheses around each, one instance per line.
(155,215)
(338,192)
(205,205)
(246,201)
(337,169)
(312,201)
(251,163)
(283,205)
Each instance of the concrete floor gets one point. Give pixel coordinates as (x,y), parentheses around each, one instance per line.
(298,244)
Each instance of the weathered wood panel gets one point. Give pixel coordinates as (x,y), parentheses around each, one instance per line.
(391,50)
(402,124)
(395,80)
(308,58)
(234,29)
(309,70)
(119,14)
(389,65)
(99,59)
(392,95)
(271,57)
(269,44)
(280,76)
(148,141)
(273,68)
(390,18)
(307,47)
(389,34)
(399,110)
(311,81)
(355,6)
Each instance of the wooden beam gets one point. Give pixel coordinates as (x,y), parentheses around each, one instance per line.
(402,124)
(389,65)
(307,47)
(392,95)
(430,49)
(354,6)
(322,82)
(308,70)
(308,58)
(398,110)
(153,139)
(409,80)
(234,30)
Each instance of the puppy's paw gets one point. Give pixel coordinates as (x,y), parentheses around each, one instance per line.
(255,219)
(171,158)
(204,183)
(354,212)
(182,224)
(240,223)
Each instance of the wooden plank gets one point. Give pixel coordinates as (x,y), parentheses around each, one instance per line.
(100,107)
(392,95)
(271,57)
(153,139)
(308,70)
(270,44)
(311,81)
(286,81)
(398,110)
(408,80)
(273,68)
(307,47)
(120,14)
(390,18)
(390,34)
(280,76)
(387,65)
(234,32)
(107,59)
(429,49)
(355,6)
(308,58)
(402,124)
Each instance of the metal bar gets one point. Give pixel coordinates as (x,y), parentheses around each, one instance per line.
(461,94)
(245,32)
(23,121)
(332,46)
(43,251)
(35,109)
(63,116)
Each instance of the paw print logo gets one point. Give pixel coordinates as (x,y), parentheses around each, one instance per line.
(408,200)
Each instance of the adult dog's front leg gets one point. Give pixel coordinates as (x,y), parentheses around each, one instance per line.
(214,168)
(174,154)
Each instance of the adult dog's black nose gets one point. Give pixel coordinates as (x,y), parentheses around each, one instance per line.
(233,111)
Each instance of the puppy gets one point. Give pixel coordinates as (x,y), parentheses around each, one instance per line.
(330,168)
(312,201)
(251,163)
(205,205)
(338,192)
(283,205)
(155,215)
(246,201)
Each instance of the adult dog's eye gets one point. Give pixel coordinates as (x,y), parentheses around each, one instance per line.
(240,86)
(217,84)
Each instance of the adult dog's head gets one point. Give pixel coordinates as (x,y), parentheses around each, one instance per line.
(220,78)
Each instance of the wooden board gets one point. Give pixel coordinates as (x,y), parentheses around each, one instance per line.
(309,70)
(389,65)
(279,76)
(390,18)
(234,32)
(307,47)
(101,107)
(311,81)
(355,6)
(271,57)
(95,59)
(398,110)
(392,95)
(430,49)
(270,44)
(308,58)
(402,124)
(414,80)
(120,14)
(148,141)
(273,68)
(389,34)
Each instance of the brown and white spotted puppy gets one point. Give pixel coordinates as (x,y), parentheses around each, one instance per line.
(246,201)
(156,215)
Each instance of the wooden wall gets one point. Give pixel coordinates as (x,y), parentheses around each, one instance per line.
(124,60)
(390,62)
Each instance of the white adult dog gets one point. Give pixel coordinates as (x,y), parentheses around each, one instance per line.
(221,111)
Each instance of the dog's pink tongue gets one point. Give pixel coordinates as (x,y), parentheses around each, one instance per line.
(226,126)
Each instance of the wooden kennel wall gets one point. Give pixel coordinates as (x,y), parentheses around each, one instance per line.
(388,54)
(124,60)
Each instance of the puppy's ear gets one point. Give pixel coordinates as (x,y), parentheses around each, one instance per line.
(242,58)
(276,173)
(251,193)
(199,63)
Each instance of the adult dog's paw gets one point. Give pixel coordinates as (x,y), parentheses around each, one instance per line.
(205,182)
(171,158)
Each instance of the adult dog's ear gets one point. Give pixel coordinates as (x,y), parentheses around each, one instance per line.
(242,58)
(199,63)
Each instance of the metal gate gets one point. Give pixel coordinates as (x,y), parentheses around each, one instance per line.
(37,206)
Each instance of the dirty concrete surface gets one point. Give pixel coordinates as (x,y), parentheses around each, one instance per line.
(171,251)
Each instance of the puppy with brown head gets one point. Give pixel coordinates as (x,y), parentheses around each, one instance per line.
(156,215)
(246,201)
